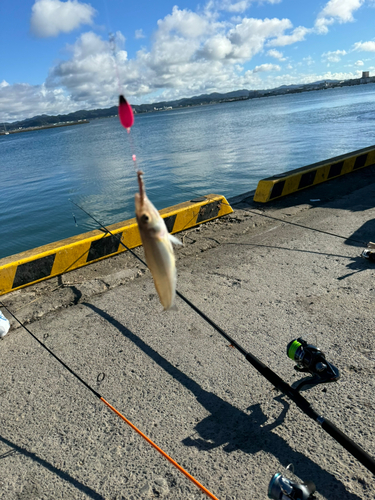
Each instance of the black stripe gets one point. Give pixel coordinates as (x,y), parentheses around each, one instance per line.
(104,246)
(277,189)
(360,161)
(209,211)
(169,222)
(33,271)
(307,179)
(335,169)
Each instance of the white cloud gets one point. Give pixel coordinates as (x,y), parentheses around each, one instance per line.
(334,56)
(52,17)
(266,67)
(297,35)
(244,40)
(365,46)
(276,54)
(249,37)
(22,100)
(236,7)
(217,47)
(336,11)
(182,22)
(303,78)
(272,80)
(190,53)
(309,61)
(240,5)
(359,63)
(90,75)
(139,34)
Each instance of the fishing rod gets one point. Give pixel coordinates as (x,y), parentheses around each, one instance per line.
(361,455)
(112,408)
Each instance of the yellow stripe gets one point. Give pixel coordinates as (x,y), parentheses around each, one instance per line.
(32,266)
(286,183)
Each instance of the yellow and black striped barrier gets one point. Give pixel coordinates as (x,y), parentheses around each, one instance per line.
(32,266)
(289,182)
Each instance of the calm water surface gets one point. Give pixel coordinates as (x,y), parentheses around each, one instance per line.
(222,149)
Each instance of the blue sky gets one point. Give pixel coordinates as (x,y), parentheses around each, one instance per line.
(56,55)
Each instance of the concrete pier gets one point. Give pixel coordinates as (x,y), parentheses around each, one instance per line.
(264,280)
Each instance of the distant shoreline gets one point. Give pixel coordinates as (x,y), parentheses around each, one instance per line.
(41,127)
(82,116)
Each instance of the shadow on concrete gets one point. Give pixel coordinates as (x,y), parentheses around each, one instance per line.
(235,429)
(63,475)
(358,265)
(366,233)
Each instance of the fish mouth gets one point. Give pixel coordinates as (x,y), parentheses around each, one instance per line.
(141,186)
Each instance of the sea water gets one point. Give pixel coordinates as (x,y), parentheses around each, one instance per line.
(224,149)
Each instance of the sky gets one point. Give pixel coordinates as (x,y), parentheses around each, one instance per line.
(59,56)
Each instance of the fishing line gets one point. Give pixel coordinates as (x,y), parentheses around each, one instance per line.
(355,450)
(107,231)
(348,238)
(122,102)
(126,119)
(112,43)
(96,394)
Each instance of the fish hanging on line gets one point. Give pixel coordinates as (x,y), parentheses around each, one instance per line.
(156,240)
(157,245)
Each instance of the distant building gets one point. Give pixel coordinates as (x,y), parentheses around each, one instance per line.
(366,77)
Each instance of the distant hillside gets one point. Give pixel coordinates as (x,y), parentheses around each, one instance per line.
(214,98)
(41,120)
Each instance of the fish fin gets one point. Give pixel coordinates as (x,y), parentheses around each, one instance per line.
(174,240)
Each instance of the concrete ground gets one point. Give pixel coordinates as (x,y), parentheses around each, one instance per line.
(265,282)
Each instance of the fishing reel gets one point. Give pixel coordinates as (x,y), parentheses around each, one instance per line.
(282,488)
(312,360)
